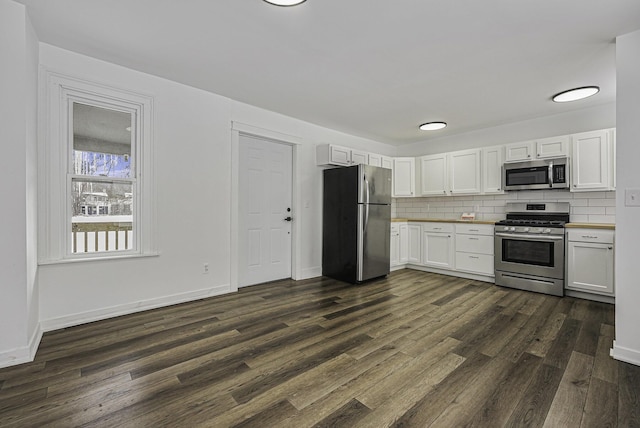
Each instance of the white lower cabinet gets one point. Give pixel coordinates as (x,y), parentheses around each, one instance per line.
(590,256)
(438,245)
(394,251)
(458,249)
(414,230)
(474,248)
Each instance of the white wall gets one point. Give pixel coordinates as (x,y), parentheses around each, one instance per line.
(18,302)
(192,143)
(31,98)
(627,269)
(588,119)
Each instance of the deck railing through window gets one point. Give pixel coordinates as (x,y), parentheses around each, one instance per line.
(106,236)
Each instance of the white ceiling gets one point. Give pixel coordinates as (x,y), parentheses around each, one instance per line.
(375,69)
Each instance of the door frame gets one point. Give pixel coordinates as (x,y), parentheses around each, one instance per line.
(238,129)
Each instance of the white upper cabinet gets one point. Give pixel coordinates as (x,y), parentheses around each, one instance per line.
(492,158)
(591,163)
(455,173)
(330,154)
(375,159)
(464,175)
(518,152)
(434,175)
(404,176)
(540,149)
(552,147)
(358,157)
(380,160)
(387,162)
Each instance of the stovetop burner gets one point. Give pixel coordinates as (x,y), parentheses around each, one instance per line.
(521,215)
(531,222)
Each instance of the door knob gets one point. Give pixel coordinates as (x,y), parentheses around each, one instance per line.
(288,219)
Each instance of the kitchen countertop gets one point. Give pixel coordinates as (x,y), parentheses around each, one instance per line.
(609,226)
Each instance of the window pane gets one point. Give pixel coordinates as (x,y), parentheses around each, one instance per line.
(102,216)
(101,141)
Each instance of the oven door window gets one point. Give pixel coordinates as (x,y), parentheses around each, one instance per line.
(527,176)
(538,253)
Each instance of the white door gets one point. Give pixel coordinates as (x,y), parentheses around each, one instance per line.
(264,211)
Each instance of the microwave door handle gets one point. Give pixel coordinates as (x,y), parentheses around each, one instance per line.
(551,174)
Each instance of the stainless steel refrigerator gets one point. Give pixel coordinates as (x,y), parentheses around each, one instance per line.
(356,223)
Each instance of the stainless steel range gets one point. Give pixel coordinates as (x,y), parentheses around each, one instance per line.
(529,247)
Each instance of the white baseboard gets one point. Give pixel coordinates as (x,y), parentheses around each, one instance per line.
(129,308)
(627,355)
(24,354)
(307,273)
(456,273)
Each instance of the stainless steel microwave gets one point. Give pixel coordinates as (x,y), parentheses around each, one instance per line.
(537,174)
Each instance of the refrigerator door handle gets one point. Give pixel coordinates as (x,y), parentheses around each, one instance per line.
(360,251)
(366,218)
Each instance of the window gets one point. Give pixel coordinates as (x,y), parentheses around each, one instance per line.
(97,157)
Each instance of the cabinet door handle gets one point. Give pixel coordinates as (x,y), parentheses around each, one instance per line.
(610,248)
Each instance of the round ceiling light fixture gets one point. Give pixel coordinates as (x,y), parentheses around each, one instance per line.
(285,2)
(432,126)
(575,94)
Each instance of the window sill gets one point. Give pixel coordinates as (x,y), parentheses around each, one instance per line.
(100,258)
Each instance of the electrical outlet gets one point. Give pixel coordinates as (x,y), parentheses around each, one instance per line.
(632,197)
(205,268)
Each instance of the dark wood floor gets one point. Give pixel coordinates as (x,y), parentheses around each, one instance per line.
(415,349)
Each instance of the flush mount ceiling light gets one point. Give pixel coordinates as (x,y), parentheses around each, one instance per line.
(285,2)
(575,94)
(432,126)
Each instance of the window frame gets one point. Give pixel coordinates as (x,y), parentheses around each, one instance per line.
(56,164)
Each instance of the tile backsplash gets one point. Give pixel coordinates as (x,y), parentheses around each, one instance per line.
(590,207)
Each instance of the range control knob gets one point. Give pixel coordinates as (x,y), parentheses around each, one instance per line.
(546,231)
(506,228)
(526,229)
(513,229)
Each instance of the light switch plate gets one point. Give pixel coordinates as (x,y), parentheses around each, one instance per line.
(632,197)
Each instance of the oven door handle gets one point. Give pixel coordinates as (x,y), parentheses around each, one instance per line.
(543,237)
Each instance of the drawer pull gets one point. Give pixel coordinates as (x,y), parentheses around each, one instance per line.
(474,257)
(474,230)
(474,239)
(589,237)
